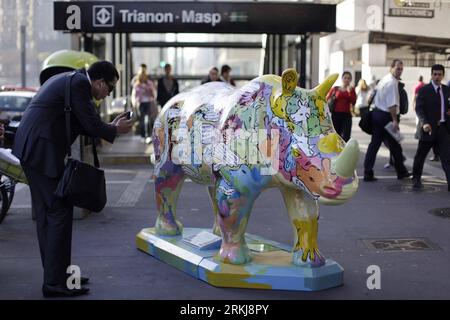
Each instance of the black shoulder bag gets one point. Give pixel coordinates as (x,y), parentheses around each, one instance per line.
(366,119)
(332,101)
(403,98)
(81,184)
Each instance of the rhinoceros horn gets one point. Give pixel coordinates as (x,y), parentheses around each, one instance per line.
(323,88)
(346,162)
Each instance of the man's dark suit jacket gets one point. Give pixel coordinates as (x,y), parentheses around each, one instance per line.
(40,140)
(163,95)
(428,110)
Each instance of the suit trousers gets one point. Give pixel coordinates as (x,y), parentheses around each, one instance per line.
(54,226)
(379,120)
(147,110)
(143,113)
(442,143)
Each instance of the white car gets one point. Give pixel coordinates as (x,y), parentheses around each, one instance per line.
(14,103)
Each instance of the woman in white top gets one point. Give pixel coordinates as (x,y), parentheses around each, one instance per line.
(362,100)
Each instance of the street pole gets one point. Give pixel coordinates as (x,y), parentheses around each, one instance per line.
(23,61)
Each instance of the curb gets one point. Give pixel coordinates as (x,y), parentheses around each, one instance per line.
(112,159)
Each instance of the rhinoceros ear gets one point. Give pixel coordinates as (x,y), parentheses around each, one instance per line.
(289,80)
(323,88)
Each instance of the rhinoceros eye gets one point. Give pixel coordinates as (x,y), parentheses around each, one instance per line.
(311,179)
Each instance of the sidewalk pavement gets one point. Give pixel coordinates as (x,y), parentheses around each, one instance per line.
(358,234)
(126,149)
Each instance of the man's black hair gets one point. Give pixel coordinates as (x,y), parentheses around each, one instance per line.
(225,68)
(438,67)
(103,70)
(395,61)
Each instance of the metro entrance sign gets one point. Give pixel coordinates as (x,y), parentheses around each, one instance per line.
(204,17)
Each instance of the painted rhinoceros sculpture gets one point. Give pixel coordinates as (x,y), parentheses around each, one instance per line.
(238,142)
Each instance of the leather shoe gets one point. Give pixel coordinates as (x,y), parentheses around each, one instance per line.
(434,158)
(404,175)
(59,291)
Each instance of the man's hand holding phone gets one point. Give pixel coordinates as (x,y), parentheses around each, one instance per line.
(123,122)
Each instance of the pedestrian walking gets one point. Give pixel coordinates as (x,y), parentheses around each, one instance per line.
(387,102)
(344,98)
(167,86)
(432,109)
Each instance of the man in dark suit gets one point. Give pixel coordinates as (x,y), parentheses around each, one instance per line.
(41,145)
(167,86)
(432,109)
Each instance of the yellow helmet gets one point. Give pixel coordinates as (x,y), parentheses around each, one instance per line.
(65,60)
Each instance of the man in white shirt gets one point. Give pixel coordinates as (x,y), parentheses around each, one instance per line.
(387,103)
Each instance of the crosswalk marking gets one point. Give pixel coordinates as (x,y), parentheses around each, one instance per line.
(131,195)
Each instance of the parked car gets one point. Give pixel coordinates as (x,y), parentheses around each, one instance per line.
(12,106)
(8,87)
(14,103)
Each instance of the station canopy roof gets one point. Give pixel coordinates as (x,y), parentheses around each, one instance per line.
(271,17)
(417,43)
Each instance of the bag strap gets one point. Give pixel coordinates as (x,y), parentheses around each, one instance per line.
(372,97)
(332,96)
(67,109)
(94,151)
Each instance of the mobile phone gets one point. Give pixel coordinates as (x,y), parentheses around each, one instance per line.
(129,115)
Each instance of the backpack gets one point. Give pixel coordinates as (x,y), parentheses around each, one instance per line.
(403,98)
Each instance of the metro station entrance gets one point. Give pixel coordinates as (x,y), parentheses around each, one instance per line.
(286,33)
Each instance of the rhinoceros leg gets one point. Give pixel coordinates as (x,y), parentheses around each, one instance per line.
(234,210)
(212,197)
(303,212)
(167,189)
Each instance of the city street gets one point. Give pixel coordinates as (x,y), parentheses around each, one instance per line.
(104,243)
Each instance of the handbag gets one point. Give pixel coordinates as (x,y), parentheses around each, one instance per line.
(366,122)
(81,184)
(366,118)
(332,100)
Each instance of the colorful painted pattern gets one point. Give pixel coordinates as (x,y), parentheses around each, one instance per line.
(238,142)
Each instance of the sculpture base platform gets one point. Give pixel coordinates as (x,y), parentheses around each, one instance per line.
(270,268)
